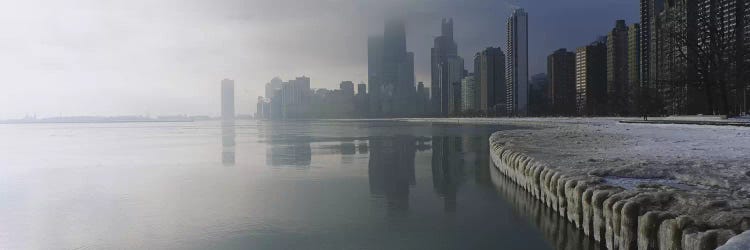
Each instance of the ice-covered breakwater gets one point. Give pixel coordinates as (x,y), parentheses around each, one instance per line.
(648,217)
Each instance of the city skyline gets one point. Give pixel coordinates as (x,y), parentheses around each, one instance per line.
(181,67)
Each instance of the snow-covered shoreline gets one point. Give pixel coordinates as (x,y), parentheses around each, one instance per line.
(696,179)
(713,156)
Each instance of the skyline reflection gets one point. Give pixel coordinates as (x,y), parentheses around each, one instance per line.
(228,143)
(459,165)
(447,169)
(391,169)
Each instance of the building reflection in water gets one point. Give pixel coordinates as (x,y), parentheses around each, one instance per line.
(348,148)
(447,168)
(556,229)
(454,158)
(476,156)
(289,154)
(362,147)
(285,148)
(391,169)
(228,143)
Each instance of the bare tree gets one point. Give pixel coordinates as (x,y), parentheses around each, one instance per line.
(709,52)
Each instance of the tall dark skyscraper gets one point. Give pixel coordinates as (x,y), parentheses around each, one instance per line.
(561,74)
(518,64)
(489,73)
(618,84)
(227,100)
(391,73)
(634,68)
(446,68)
(591,79)
(648,7)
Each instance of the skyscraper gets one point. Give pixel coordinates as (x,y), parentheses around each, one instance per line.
(518,64)
(489,73)
(669,58)
(591,79)
(634,68)
(647,8)
(454,105)
(450,73)
(227,100)
(374,71)
(444,51)
(391,73)
(469,94)
(295,98)
(723,30)
(561,74)
(618,84)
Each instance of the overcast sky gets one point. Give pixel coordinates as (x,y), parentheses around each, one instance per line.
(158,57)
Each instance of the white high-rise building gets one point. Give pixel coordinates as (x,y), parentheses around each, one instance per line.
(517,66)
(469,94)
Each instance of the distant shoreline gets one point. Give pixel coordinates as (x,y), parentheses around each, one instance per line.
(92,122)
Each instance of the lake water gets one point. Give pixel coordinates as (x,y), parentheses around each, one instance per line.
(263,185)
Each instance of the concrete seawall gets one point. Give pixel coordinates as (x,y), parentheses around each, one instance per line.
(647,217)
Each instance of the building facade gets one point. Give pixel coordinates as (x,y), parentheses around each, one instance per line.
(591,79)
(443,53)
(450,73)
(693,56)
(561,74)
(469,94)
(489,74)
(295,98)
(634,69)
(538,101)
(454,105)
(374,71)
(391,73)
(517,66)
(618,83)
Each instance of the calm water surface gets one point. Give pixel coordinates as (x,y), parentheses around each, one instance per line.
(262,185)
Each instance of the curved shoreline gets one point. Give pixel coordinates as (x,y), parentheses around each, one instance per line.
(648,217)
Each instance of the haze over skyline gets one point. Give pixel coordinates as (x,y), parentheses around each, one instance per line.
(87,57)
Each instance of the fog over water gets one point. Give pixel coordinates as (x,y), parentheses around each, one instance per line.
(92,57)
